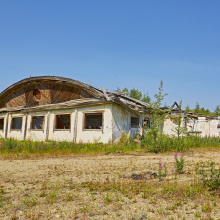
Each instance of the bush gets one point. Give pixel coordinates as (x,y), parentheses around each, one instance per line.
(209,174)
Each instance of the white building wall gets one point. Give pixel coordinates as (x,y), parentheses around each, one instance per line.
(206,127)
(169,126)
(120,123)
(35,134)
(16,134)
(3,131)
(61,135)
(104,135)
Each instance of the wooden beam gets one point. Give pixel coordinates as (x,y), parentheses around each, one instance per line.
(105,94)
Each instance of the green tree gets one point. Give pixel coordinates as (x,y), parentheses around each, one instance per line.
(197,108)
(135,93)
(157,118)
(217,110)
(187,109)
(146,99)
(123,90)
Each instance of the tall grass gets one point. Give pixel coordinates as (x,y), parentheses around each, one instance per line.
(163,143)
(12,146)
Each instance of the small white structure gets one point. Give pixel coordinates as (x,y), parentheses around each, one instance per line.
(204,126)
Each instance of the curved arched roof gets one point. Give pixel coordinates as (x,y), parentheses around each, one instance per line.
(46,79)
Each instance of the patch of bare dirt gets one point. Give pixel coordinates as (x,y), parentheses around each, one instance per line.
(51,188)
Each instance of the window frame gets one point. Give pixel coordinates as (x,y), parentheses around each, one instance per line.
(12,129)
(84,120)
(148,126)
(3,118)
(136,126)
(55,122)
(31,123)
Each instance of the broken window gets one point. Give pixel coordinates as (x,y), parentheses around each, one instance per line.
(147,123)
(62,121)
(16,123)
(1,123)
(37,122)
(93,121)
(37,95)
(134,122)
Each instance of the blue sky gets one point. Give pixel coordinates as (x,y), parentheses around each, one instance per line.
(116,44)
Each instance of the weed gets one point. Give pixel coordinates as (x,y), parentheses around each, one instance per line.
(107,198)
(197,214)
(209,174)
(30,202)
(68,197)
(51,197)
(42,194)
(179,163)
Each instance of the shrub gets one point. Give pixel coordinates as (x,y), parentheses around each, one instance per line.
(209,174)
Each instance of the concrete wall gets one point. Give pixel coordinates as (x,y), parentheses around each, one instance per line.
(17,134)
(202,126)
(205,127)
(35,134)
(104,135)
(121,123)
(3,131)
(82,135)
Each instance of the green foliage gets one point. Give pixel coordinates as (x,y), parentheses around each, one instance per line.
(159,96)
(157,118)
(146,99)
(187,109)
(200,110)
(179,163)
(180,130)
(209,174)
(135,93)
(165,143)
(217,110)
(197,108)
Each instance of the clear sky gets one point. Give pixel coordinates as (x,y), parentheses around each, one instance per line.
(116,43)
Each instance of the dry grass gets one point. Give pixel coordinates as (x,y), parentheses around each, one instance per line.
(93,187)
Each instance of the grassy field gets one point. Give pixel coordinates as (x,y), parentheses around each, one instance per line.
(50,180)
(16,148)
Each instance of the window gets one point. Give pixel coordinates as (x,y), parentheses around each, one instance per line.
(62,122)
(37,122)
(147,123)
(1,123)
(93,121)
(134,122)
(37,95)
(16,123)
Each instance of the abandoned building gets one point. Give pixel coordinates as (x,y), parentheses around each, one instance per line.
(194,124)
(62,109)
(58,108)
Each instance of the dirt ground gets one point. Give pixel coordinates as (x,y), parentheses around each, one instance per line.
(45,188)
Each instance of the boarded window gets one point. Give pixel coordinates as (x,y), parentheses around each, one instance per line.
(1,123)
(134,122)
(62,122)
(37,122)
(16,123)
(93,121)
(147,123)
